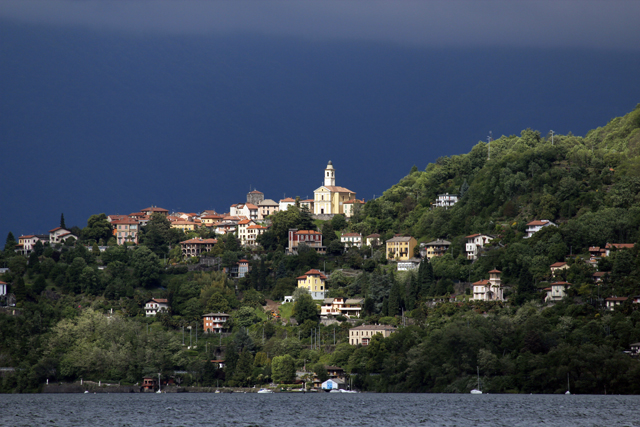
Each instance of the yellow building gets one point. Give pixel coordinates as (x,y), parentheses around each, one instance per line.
(330,199)
(314,282)
(184,225)
(401,248)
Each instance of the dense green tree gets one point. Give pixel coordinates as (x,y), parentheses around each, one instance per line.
(98,227)
(305,308)
(146,266)
(283,369)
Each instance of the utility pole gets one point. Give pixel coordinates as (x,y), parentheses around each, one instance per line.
(551,137)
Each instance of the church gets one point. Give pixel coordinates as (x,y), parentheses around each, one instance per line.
(329,199)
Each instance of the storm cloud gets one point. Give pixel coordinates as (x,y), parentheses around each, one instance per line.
(557,24)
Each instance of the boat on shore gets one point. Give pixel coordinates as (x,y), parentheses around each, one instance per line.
(265,390)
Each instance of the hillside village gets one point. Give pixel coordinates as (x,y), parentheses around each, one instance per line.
(525,266)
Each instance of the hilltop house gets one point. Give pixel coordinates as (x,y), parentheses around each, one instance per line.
(400,248)
(349,307)
(156,305)
(557,291)
(310,238)
(445,200)
(351,239)
(475,242)
(313,281)
(196,246)
(215,322)
(126,230)
(537,225)
(363,334)
(488,290)
(435,248)
(557,267)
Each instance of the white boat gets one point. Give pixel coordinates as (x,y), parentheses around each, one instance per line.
(477,390)
(265,390)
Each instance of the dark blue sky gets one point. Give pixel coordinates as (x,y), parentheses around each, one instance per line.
(99,113)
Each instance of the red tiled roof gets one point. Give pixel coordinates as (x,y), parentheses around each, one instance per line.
(472,236)
(200,240)
(256,227)
(558,264)
(561,283)
(244,221)
(243,261)
(314,272)
(354,201)
(495,271)
(56,229)
(159,300)
(337,189)
(124,221)
(482,282)
(539,222)
(251,206)
(620,245)
(154,209)
(26,237)
(288,199)
(307,232)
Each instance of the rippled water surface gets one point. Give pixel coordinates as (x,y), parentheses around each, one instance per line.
(318,409)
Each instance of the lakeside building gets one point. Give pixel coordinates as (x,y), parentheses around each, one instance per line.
(363,334)
(489,290)
(329,199)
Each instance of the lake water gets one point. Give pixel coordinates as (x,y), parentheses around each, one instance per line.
(318,409)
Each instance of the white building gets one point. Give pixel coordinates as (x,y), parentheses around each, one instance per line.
(156,305)
(341,307)
(363,334)
(537,225)
(476,242)
(351,239)
(409,264)
(285,203)
(446,200)
(488,290)
(557,291)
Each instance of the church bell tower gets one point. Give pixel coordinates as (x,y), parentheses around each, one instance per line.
(329,175)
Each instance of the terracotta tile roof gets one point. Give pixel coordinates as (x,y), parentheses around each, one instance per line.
(314,272)
(251,206)
(136,214)
(558,264)
(288,199)
(354,201)
(351,235)
(536,222)
(307,232)
(255,192)
(159,300)
(472,236)
(337,189)
(212,216)
(257,227)
(56,229)
(243,261)
(620,245)
(495,271)
(199,240)
(616,299)
(482,282)
(154,209)
(561,283)
(26,237)
(244,221)
(373,236)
